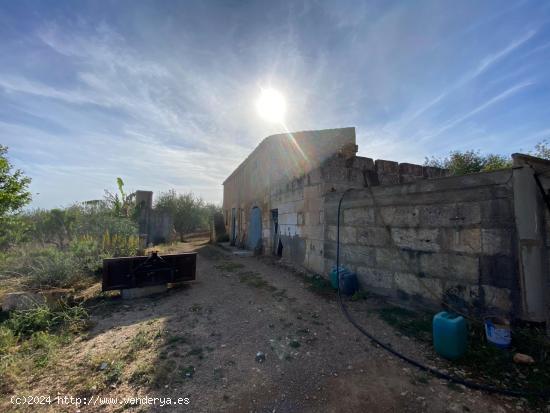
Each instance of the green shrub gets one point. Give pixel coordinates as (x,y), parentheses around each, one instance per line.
(25,323)
(87,254)
(119,245)
(41,346)
(7,339)
(43,267)
(53,268)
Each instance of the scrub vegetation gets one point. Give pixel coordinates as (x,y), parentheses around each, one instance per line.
(472,161)
(61,250)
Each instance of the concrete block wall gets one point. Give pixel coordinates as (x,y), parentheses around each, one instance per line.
(430,241)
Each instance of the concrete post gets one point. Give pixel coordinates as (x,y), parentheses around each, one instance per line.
(144,202)
(529,218)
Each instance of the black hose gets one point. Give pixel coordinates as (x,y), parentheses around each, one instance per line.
(417,364)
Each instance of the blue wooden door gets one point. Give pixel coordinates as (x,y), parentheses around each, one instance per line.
(255,229)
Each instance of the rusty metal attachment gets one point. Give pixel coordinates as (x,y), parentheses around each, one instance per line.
(144,271)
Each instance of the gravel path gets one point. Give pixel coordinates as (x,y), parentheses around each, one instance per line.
(206,337)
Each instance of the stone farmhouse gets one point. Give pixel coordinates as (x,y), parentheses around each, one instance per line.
(477,242)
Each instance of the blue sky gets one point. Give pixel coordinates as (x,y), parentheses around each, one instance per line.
(162,93)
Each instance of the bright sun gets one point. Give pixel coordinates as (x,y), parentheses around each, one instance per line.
(271,105)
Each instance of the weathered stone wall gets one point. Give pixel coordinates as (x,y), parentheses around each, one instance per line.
(448,239)
(300,201)
(154,227)
(161,227)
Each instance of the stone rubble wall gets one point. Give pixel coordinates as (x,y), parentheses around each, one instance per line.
(431,241)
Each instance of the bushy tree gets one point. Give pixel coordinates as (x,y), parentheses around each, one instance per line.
(542,150)
(14,185)
(53,226)
(14,195)
(467,162)
(190,213)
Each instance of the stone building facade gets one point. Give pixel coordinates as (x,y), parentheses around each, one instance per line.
(410,232)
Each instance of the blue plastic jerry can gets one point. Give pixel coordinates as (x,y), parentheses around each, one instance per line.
(450,335)
(334,275)
(348,283)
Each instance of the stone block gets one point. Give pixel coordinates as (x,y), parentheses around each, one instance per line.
(312,192)
(451,266)
(388,179)
(313,204)
(373,236)
(398,216)
(22,300)
(315,246)
(497,213)
(461,240)
(314,176)
(316,232)
(363,163)
(335,174)
(432,172)
(371,178)
(460,296)
(351,254)
(348,235)
(450,215)
(131,293)
(416,239)
(316,263)
(497,241)
(359,216)
(386,167)
(430,288)
(396,260)
(410,169)
(406,179)
(376,278)
(312,218)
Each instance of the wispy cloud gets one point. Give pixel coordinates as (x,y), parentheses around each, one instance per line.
(498,98)
(164,96)
(484,65)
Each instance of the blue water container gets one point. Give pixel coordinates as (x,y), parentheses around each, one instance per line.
(334,275)
(348,283)
(450,335)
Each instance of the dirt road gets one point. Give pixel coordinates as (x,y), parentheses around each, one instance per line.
(201,342)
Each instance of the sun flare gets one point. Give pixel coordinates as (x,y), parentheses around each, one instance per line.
(271,105)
